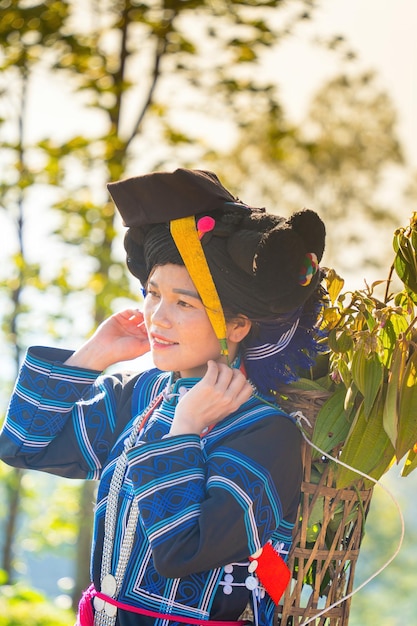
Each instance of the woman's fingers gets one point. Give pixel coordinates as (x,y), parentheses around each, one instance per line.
(229,385)
(220,375)
(229,379)
(219,393)
(131,321)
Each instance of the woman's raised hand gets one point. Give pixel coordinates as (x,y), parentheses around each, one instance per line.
(221,391)
(121,337)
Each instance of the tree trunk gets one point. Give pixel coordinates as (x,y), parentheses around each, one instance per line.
(14,488)
(84,539)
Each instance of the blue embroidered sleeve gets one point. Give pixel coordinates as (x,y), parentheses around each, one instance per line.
(206,508)
(60,419)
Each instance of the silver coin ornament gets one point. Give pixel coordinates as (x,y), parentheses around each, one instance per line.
(110,609)
(108,585)
(98,603)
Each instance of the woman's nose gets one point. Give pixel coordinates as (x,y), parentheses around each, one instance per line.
(159,315)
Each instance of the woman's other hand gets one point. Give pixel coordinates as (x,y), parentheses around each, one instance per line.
(220,392)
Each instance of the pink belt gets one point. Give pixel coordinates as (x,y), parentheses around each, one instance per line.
(86,617)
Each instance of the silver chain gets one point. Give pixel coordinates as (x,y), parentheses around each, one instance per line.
(106,615)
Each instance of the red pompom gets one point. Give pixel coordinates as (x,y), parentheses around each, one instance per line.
(205,225)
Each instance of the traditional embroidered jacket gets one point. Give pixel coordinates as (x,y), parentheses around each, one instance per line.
(205,504)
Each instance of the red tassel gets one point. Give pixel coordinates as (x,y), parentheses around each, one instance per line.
(85,616)
(272,571)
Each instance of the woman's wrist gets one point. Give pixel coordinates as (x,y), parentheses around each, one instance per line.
(89,356)
(184,427)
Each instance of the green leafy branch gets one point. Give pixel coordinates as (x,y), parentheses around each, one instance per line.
(370,417)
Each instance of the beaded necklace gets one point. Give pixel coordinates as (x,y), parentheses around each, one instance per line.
(105,613)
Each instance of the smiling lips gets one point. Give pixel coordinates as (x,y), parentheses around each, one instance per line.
(158,341)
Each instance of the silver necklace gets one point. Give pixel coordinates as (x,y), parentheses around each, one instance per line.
(110,584)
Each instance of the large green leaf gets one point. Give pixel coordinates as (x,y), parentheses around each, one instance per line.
(405,262)
(395,376)
(407,411)
(366,445)
(367,374)
(332,423)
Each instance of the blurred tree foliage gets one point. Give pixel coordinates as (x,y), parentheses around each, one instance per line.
(335,161)
(20,605)
(161,77)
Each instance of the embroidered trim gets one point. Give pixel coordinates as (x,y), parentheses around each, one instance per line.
(269,349)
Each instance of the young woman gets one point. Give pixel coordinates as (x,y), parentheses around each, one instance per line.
(199,470)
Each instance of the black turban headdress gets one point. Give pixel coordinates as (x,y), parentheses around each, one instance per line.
(262,265)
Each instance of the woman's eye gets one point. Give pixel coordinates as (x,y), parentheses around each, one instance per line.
(184,304)
(152,293)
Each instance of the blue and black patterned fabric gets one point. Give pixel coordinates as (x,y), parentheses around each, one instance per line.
(205,503)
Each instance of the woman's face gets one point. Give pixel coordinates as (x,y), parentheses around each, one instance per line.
(180,333)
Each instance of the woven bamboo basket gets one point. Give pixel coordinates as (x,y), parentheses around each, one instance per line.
(322,569)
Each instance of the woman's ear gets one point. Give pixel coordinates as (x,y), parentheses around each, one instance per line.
(238,327)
